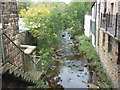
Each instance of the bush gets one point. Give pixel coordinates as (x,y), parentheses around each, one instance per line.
(91,54)
(41,84)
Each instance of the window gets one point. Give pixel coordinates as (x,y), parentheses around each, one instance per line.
(103,39)
(109,43)
(111,14)
(105,6)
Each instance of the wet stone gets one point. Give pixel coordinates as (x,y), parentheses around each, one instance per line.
(92,86)
(71,38)
(78,75)
(85,73)
(81,69)
(69,66)
(69,80)
(81,73)
(84,81)
(77,66)
(63,35)
(73,65)
(85,65)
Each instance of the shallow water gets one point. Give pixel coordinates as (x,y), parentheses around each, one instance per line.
(70,72)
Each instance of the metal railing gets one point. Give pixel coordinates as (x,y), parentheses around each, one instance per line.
(41,64)
(14,55)
(110,23)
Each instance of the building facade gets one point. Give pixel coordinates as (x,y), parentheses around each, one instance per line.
(87,25)
(18,69)
(108,38)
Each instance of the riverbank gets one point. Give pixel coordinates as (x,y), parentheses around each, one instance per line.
(69,69)
(65,71)
(92,57)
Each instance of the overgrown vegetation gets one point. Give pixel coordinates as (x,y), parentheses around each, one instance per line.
(91,54)
(23,5)
(46,20)
(41,84)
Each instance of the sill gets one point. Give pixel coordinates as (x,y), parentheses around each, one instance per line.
(28,49)
(117,38)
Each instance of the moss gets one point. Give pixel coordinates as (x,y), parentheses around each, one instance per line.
(41,84)
(91,54)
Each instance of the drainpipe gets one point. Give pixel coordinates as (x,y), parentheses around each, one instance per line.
(95,19)
(1,40)
(1,44)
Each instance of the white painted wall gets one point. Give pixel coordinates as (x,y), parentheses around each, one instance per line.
(87,31)
(0,25)
(21,26)
(93,19)
(93,40)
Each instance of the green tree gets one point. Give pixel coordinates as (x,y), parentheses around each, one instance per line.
(75,12)
(46,20)
(23,5)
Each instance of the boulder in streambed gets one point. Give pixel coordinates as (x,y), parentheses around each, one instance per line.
(59,62)
(85,65)
(81,69)
(74,64)
(70,42)
(69,66)
(85,73)
(92,86)
(63,35)
(71,37)
(78,75)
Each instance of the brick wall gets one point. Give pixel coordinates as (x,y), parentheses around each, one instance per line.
(9,18)
(109,59)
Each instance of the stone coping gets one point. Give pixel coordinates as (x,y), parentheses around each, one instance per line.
(28,49)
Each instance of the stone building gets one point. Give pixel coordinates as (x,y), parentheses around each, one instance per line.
(108,38)
(17,67)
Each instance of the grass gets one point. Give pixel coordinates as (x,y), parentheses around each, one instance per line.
(41,84)
(91,54)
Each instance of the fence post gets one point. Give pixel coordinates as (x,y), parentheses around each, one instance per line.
(116,25)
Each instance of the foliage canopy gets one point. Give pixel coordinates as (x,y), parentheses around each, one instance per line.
(46,20)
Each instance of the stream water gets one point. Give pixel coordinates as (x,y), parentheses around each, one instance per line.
(73,70)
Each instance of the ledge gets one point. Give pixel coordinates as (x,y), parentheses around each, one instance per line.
(109,34)
(28,49)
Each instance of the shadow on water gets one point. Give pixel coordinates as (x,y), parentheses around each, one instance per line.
(73,71)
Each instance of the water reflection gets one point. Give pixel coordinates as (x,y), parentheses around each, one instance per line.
(72,72)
